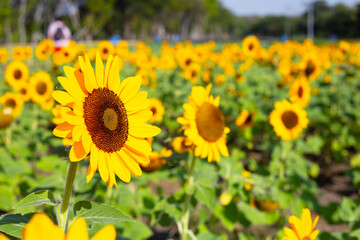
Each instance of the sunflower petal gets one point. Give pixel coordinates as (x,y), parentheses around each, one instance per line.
(62,97)
(71,88)
(121,171)
(63,129)
(77,230)
(103,169)
(142,130)
(107,69)
(130,164)
(114,76)
(77,152)
(94,157)
(129,87)
(108,232)
(99,70)
(89,75)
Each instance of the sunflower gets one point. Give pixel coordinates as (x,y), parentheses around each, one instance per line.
(220,79)
(6,118)
(288,120)
(41,87)
(181,144)
(225,198)
(106,118)
(266,205)
(44,49)
(13,101)
(105,48)
(185,58)
(206,75)
(41,227)
(300,92)
(4,55)
(27,53)
(250,45)
(24,92)
(64,55)
(16,73)
(157,109)
(192,73)
(310,66)
(17,53)
(245,119)
(204,124)
(156,160)
(303,228)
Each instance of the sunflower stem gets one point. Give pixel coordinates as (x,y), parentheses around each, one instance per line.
(8,136)
(186,216)
(62,218)
(35,122)
(285,147)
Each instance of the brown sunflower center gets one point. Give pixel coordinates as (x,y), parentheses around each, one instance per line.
(66,54)
(106,120)
(187,61)
(17,74)
(105,50)
(310,68)
(248,119)
(10,103)
(210,122)
(153,109)
(41,88)
(23,91)
(300,92)
(251,46)
(193,73)
(290,119)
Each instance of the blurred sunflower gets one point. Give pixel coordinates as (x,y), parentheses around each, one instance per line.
(288,120)
(181,144)
(310,66)
(28,51)
(105,48)
(239,77)
(16,74)
(300,91)
(4,55)
(245,119)
(24,92)
(157,109)
(225,198)
(17,53)
(206,75)
(204,124)
(250,45)
(265,205)
(6,118)
(41,227)
(220,79)
(41,87)
(156,160)
(303,228)
(44,49)
(106,118)
(13,101)
(192,73)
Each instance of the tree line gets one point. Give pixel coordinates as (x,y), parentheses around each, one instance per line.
(27,20)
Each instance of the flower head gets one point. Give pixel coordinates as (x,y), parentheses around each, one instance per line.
(204,124)
(106,118)
(301,229)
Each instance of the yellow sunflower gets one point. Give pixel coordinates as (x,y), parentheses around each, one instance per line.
(41,227)
(41,87)
(156,160)
(4,55)
(44,49)
(24,92)
(192,73)
(204,124)
(245,119)
(250,45)
(302,228)
(288,120)
(27,53)
(13,101)
(6,118)
(106,49)
(106,118)
(220,79)
(18,53)
(300,91)
(310,65)
(157,109)
(181,144)
(16,74)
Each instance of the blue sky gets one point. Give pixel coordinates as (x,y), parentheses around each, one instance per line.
(274,7)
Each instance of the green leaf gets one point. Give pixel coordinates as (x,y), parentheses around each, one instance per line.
(94,212)
(6,197)
(210,236)
(205,193)
(136,230)
(37,198)
(12,224)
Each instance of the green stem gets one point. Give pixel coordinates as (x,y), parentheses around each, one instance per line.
(8,136)
(285,147)
(186,216)
(62,217)
(35,122)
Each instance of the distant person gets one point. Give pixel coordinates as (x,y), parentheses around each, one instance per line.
(59,33)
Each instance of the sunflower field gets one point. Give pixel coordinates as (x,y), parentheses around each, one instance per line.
(183,140)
